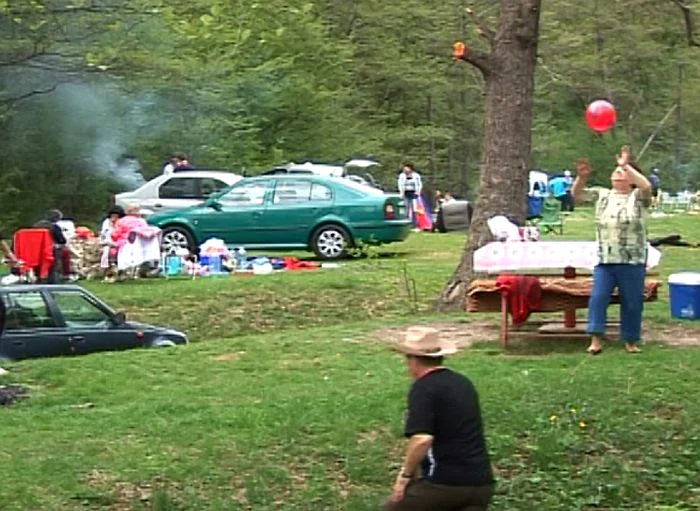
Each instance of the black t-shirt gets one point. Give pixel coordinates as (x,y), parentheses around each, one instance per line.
(445,404)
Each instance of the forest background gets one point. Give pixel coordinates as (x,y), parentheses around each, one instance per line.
(93,91)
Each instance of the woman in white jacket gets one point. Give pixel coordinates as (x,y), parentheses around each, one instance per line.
(410,188)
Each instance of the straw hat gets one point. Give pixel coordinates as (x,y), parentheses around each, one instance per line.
(422,341)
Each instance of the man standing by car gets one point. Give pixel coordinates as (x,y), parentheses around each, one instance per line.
(183,163)
(169,167)
(446,465)
(410,188)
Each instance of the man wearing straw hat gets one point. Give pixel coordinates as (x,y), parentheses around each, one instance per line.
(446,466)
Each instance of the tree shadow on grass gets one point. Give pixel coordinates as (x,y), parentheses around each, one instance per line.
(535,347)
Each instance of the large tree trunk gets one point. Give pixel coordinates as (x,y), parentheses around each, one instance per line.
(509,73)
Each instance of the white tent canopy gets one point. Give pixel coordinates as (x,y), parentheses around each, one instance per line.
(538,178)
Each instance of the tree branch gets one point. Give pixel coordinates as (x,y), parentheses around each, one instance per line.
(27,95)
(689,23)
(484,31)
(18,60)
(105,9)
(479,59)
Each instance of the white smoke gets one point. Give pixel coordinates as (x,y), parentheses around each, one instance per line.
(100,126)
(109,157)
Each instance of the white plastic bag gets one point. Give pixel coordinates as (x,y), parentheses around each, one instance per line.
(503,229)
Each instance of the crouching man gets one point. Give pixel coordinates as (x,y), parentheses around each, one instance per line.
(446,466)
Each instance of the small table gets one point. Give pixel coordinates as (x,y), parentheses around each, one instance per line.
(539,259)
(509,256)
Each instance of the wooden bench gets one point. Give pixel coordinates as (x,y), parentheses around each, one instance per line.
(559,293)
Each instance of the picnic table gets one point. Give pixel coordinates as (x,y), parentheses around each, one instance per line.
(555,264)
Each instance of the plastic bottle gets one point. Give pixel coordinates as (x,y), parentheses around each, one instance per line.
(241,259)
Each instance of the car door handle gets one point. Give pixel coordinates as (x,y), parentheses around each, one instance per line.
(18,343)
(257,214)
(77,338)
(157,205)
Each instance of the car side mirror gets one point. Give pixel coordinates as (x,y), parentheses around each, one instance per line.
(119,319)
(215,205)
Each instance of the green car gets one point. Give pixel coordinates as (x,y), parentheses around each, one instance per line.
(295,211)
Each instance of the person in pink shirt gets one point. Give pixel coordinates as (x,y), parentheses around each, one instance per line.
(131,223)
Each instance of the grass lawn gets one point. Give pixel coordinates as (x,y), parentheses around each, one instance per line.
(289,399)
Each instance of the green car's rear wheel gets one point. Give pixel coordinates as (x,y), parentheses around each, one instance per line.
(175,237)
(330,241)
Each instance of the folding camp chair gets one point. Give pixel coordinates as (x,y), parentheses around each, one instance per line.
(551,219)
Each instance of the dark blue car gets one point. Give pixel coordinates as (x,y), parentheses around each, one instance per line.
(47,321)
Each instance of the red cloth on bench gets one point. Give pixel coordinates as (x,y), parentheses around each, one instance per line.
(524,295)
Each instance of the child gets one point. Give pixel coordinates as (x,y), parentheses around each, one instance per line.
(109,251)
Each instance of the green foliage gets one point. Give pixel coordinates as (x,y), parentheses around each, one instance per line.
(245,85)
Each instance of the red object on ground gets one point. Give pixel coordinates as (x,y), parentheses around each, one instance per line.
(34,247)
(601,116)
(84,232)
(459,50)
(292,263)
(524,295)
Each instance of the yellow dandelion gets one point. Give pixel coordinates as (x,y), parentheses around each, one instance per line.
(582,425)
(573,411)
(553,418)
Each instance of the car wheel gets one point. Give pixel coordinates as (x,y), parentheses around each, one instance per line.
(330,242)
(175,238)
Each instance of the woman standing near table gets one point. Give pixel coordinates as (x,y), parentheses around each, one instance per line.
(622,250)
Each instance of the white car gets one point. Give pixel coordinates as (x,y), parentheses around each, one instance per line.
(349,169)
(177,191)
(320,169)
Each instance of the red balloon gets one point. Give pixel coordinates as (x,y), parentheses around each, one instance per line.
(601,116)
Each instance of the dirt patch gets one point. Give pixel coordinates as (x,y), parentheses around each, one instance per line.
(466,334)
(674,335)
(116,495)
(226,357)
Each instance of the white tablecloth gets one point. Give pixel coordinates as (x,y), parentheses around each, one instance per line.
(538,255)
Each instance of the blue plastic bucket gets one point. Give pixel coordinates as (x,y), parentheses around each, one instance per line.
(684,293)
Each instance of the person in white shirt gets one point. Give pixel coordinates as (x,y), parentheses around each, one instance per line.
(109,253)
(410,188)
(169,167)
